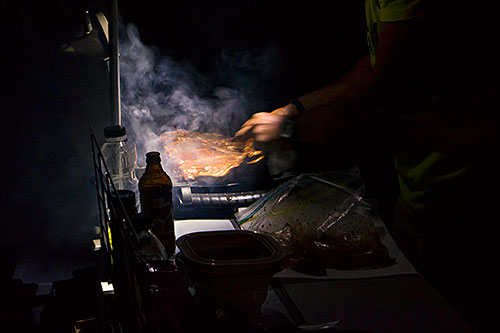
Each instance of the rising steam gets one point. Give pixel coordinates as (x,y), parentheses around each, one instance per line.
(159,94)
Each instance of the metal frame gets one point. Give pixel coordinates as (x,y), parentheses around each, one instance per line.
(118,243)
(114,62)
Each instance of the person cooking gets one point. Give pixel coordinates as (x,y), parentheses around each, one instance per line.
(428,95)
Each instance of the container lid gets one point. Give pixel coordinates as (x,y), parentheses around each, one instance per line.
(124,195)
(127,198)
(231,252)
(114,131)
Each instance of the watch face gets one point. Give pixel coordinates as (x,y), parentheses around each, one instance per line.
(286,128)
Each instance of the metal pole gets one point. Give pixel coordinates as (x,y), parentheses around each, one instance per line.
(114,61)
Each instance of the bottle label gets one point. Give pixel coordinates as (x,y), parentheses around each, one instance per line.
(158,204)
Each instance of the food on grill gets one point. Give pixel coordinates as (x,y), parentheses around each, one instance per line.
(198,154)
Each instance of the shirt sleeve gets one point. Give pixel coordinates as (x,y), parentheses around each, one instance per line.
(400,10)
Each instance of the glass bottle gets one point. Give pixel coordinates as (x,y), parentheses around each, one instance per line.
(155,190)
(120,155)
(149,247)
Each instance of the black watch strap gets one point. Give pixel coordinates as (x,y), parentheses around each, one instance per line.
(298,104)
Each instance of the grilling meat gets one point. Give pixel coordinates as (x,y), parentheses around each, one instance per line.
(206,154)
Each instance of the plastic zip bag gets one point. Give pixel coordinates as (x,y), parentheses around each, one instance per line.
(321,223)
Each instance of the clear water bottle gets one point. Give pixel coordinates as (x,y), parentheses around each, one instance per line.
(120,155)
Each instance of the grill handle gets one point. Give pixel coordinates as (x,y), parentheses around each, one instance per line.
(235,199)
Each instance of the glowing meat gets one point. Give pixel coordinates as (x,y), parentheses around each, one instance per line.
(206,154)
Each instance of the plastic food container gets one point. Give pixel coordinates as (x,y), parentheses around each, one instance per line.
(230,268)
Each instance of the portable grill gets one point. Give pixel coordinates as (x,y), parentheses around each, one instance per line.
(221,198)
(212,202)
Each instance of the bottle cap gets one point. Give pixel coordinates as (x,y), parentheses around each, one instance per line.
(153,157)
(114,131)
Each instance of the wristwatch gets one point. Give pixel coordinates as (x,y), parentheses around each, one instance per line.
(287,128)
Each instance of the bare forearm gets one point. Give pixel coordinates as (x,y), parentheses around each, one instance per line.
(356,83)
(466,124)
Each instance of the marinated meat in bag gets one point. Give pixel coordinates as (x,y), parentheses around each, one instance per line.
(320,224)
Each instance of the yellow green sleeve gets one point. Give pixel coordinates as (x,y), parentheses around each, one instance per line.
(400,10)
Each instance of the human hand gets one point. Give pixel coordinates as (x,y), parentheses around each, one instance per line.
(263,126)
(288,110)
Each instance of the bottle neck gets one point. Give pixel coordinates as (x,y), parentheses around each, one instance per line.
(154,166)
(116,139)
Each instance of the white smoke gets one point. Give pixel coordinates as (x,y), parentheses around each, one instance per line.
(159,94)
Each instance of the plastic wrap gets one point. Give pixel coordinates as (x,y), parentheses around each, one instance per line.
(320,223)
